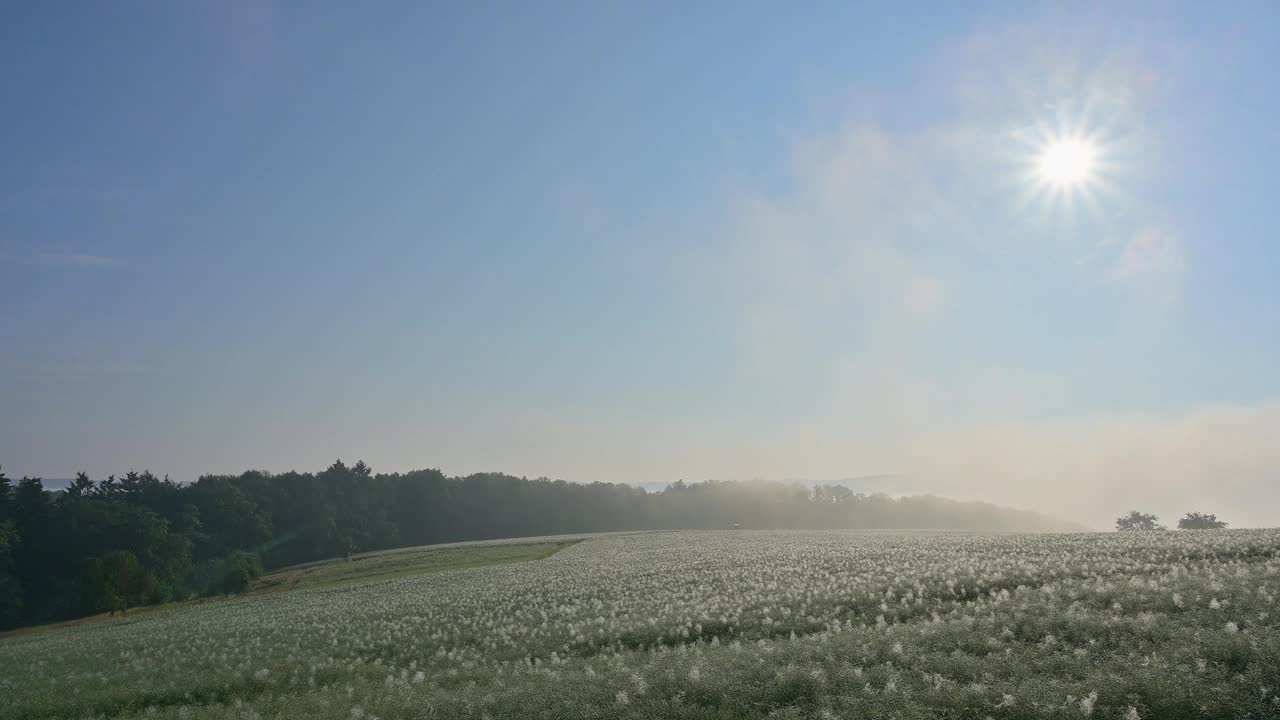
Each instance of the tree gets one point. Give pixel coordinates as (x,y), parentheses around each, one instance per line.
(131,484)
(115,581)
(10,588)
(31,502)
(1200,521)
(81,487)
(6,497)
(35,557)
(230,520)
(109,489)
(239,571)
(1137,521)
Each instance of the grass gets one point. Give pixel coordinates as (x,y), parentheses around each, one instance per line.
(365,567)
(404,562)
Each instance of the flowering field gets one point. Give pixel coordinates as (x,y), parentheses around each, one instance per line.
(713,625)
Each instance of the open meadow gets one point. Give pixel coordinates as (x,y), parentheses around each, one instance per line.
(733,624)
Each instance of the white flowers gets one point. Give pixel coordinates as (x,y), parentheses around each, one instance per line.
(644,618)
(1086,705)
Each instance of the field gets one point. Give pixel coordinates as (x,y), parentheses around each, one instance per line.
(410,561)
(711,625)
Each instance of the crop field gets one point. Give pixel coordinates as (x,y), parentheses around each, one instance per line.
(711,625)
(410,561)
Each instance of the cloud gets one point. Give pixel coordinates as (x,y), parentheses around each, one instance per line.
(78,260)
(1152,263)
(824,266)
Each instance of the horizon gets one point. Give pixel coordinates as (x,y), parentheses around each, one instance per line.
(1014,256)
(867,486)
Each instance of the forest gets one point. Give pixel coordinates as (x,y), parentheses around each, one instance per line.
(139,539)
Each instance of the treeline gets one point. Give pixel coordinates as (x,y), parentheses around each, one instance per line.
(118,543)
(140,539)
(1136,520)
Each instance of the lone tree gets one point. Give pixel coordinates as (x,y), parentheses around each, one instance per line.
(1200,521)
(1137,521)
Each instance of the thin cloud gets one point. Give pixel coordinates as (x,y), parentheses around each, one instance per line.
(78,260)
(882,234)
(1152,263)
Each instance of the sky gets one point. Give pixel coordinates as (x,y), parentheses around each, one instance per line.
(638,242)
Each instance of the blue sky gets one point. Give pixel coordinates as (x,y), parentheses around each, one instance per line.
(636,243)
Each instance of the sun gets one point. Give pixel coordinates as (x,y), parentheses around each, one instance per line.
(1067,162)
(1069,167)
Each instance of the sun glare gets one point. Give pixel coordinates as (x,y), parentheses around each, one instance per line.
(1066,167)
(1067,162)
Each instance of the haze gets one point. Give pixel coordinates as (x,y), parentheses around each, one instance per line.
(1024,258)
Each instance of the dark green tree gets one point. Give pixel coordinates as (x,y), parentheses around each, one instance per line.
(229,518)
(1200,521)
(240,569)
(116,581)
(109,489)
(36,560)
(10,587)
(1137,521)
(6,497)
(81,487)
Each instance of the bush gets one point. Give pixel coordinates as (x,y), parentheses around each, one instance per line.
(1200,521)
(1138,521)
(240,569)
